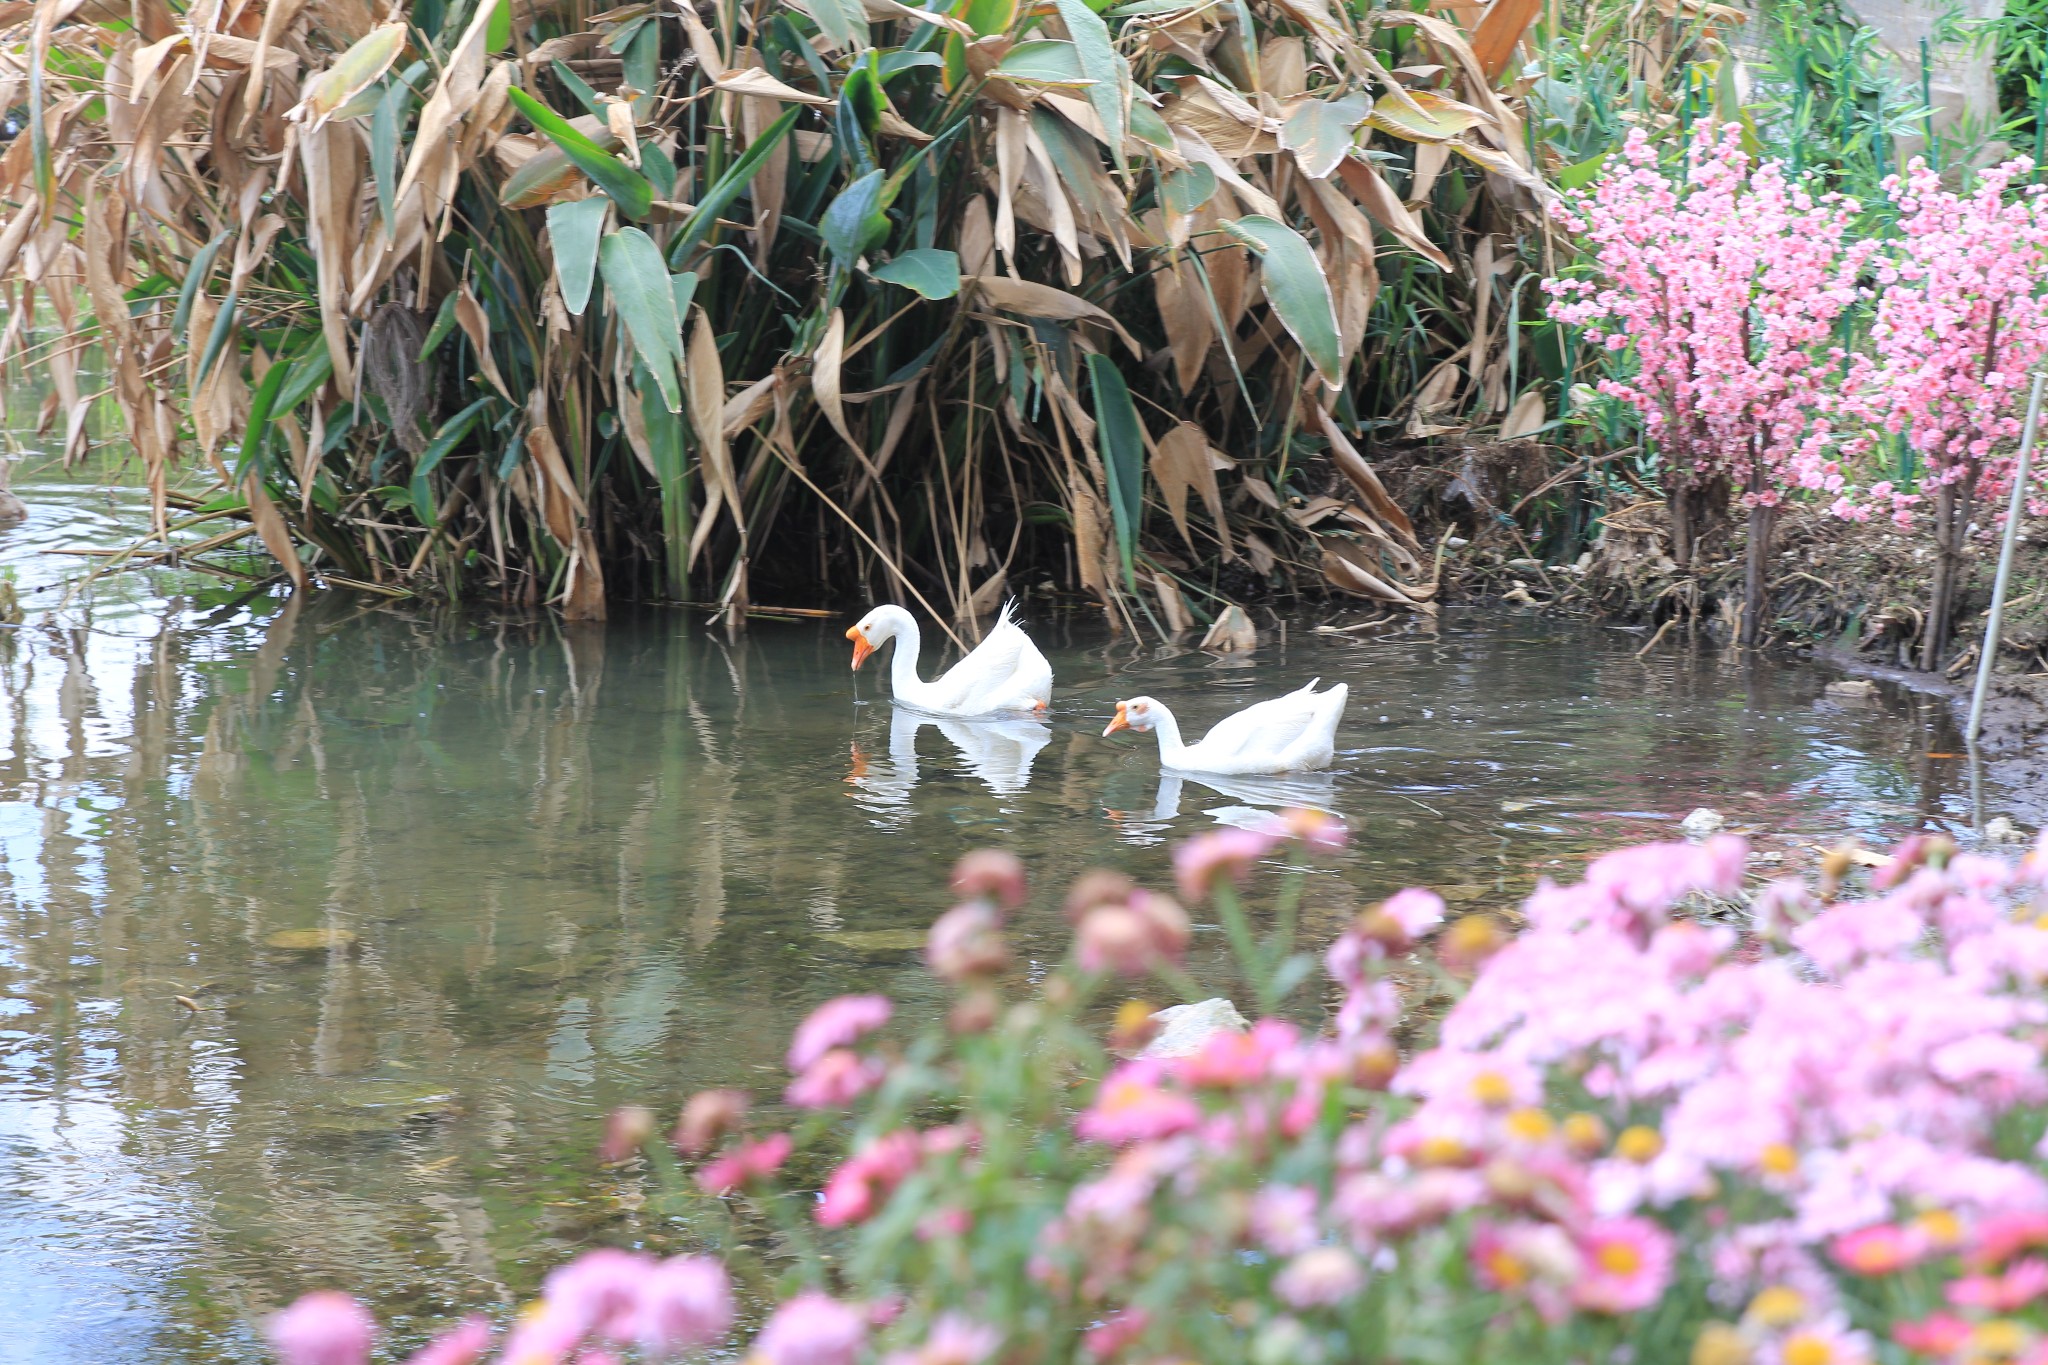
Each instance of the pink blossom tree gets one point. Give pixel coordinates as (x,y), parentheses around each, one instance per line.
(1719,284)
(1960,322)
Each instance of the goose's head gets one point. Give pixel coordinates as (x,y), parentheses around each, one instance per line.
(875,629)
(1139,713)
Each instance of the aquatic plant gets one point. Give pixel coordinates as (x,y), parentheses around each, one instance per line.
(1650,1127)
(1961,322)
(1719,280)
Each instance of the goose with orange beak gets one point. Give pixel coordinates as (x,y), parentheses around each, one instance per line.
(1005,673)
(1294,733)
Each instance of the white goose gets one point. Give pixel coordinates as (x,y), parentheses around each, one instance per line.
(1005,672)
(1293,733)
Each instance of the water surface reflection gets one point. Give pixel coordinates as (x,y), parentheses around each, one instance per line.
(329,932)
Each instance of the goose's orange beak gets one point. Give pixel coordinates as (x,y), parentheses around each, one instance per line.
(1122,722)
(861,647)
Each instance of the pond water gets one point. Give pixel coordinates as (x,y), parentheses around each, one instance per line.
(329,931)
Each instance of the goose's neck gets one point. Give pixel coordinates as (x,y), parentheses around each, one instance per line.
(1171,750)
(903,677)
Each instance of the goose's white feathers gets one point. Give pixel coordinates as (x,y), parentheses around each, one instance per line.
(1005,672)
(1294,733)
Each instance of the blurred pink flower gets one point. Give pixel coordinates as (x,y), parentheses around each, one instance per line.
(954,1340)
(1942,1334)
(1202,860)
(1317,830)
(626,1129)
(1416,910)
(683,1303)
(708,1116)
(323,1328)
(462,1344)
(1321,1278)
(746,1163)
(867,1178)
(1878,1250)
(836,1023)
(1110,1336)
(835,1080)
(1625,1264)
(966,941)
(811,1329)
(1284,1219)
(1131,1107)
(2019,1286)
(990,874)
(1230,1060)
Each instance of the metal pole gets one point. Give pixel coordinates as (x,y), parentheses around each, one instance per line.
(2014,510)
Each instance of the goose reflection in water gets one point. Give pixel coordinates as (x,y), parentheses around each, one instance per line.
(999,752)
(1254,801)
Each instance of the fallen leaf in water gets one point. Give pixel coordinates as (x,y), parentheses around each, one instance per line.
(877,940)
(310,940)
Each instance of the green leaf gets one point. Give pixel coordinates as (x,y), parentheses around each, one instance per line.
(1298,290)
(1188,188)
(849,222)
(573,230)
(1149,128)
(260,408)
(1122,441)
(309,372)
(498,32)
(1043,61)
(845,22)
(1320,132)
(386,144)
(683,288)
(929,271)
(223,324)
(897,61)
(580,88)
(637,279)
(1583,174)
(452,431)
(444,323)
(1100,63)
(857,116)
(195,280)
(627,187)
(736,178)
(642,67)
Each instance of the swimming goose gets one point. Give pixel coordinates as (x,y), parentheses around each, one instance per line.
(1005,672)
(1293,733)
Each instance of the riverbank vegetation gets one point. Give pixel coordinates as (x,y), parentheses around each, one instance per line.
(1683,1113)
(804,303)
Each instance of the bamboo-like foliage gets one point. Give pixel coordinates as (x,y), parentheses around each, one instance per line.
(565,306)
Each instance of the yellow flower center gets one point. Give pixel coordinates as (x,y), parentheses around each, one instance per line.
(1777,1159)
(1804,1348)
(1530,1125)
(1638,1144)
(1507,1270)
(1778,1306)
(1720,1344)
(1440,1151)
(1491,1088)
(1585,1132)
(1940,1227)
(1619,1258)
(1999,1339)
